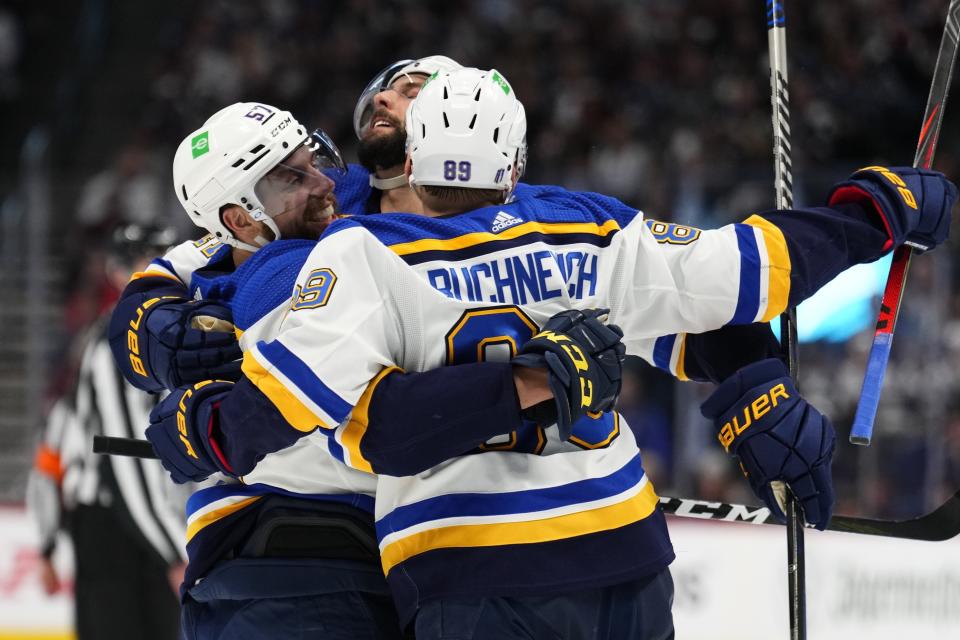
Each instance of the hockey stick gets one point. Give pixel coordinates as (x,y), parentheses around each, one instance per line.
(941,524)
(783,182)
(130,447)
(862,430)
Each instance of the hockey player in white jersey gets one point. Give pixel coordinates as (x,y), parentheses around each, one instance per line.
(238,534)
(476,530)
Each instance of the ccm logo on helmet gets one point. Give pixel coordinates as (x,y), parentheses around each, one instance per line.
(280,127)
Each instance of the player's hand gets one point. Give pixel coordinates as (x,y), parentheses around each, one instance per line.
(584,358)
(914,204)
(777,435)
(183,431)
(180,342)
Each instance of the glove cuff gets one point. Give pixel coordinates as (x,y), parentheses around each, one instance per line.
(204,406)
(850,192)
(745,378)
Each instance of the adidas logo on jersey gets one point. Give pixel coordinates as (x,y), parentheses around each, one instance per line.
(504,220)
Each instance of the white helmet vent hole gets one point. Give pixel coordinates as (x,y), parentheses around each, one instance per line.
(237,163)
(183,190)
(256,160)
(476,98)
(445,96)
(496,135)
(446,123)
(256,149)
(473,121)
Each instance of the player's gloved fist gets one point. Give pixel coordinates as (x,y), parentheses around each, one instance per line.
(584,359)
(181,342)
(777,435)
(183,430)
(914,204)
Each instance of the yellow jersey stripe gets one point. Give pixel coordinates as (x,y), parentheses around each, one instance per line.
(295,412)
(778,291)
(681,372)
(481,237)
(154,274)
(209,518)
(633,509)
(356,427)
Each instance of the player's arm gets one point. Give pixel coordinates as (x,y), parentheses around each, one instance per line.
(340,331)
(403,423)
(159,337)
(445,413)
(406,423)
(712,356)
(698,281)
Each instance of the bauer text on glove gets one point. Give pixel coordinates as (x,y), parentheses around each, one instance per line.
(777,435)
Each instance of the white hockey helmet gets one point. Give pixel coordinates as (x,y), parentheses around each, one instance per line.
(385,79)
(223,162)
(467,129)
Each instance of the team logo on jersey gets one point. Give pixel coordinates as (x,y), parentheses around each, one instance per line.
(200,144)
(504,220)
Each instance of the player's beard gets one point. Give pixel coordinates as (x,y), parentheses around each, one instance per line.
(383,151)
(315,219)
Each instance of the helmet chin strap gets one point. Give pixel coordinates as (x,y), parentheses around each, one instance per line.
(385,184)
(239,244)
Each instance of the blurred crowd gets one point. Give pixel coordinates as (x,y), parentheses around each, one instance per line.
(664,104)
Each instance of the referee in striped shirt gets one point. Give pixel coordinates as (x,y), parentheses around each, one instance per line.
(125,519)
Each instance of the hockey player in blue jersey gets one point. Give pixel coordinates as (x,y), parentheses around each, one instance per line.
(767,258)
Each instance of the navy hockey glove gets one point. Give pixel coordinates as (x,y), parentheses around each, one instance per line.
(584,359)
(777,435)
(183,430)
(914,204)
(170,342)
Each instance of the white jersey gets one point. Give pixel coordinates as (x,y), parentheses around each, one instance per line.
(401,291)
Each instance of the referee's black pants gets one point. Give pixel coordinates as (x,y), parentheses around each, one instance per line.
(121,587)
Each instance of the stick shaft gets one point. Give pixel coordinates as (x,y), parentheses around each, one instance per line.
(862,430)
(130,447)
(783,183)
